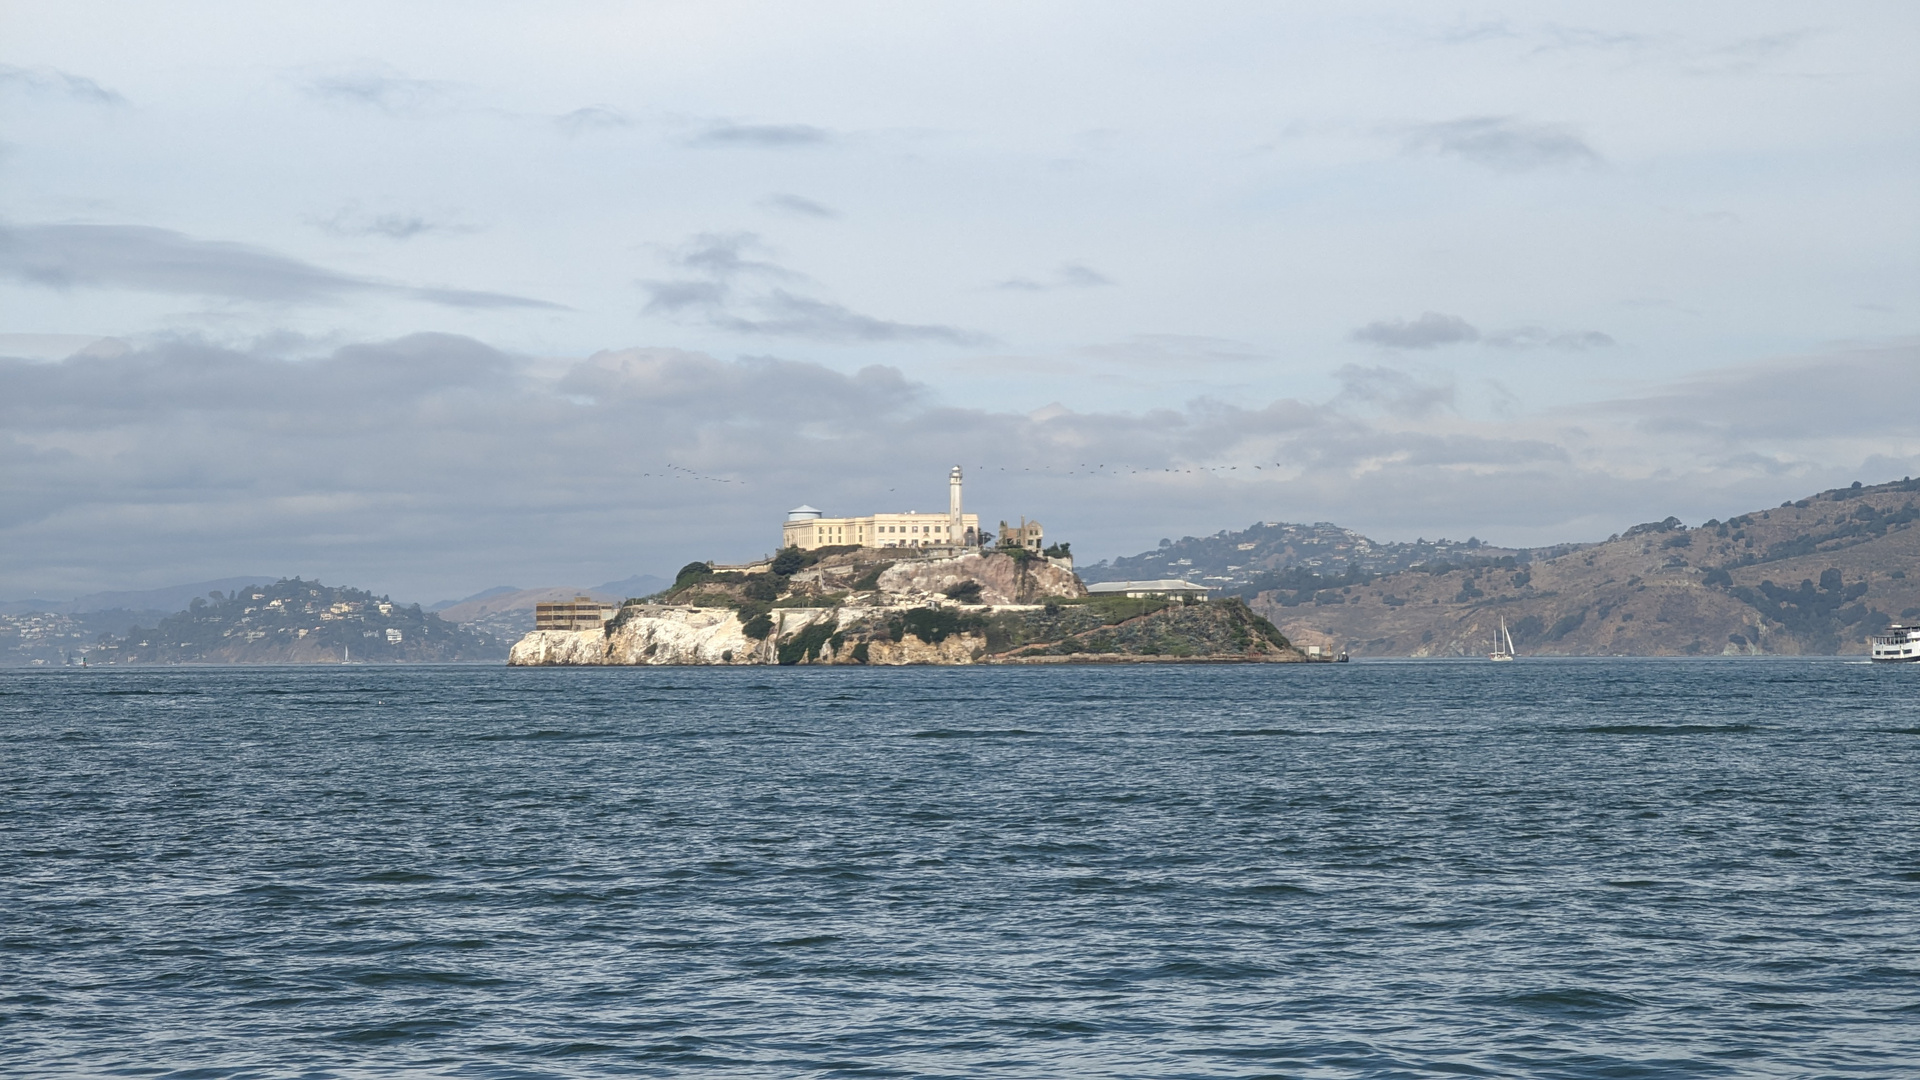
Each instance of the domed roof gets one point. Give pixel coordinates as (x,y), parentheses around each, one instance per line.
(803,512)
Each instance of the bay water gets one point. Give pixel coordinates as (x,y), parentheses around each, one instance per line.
(1580,869)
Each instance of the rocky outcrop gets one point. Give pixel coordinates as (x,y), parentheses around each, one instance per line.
(1003,579)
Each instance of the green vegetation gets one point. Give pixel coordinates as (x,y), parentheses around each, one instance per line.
(935,625)
(691,573)
(758,626)
(1061,550)
(967,592)
(1821,613)
(806,644)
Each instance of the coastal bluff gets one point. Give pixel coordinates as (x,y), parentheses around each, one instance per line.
(853,608)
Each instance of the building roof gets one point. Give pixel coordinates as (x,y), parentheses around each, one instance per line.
(1156,585)
(802,513)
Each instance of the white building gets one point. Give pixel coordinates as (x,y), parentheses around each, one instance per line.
(807,528)
(1158,589)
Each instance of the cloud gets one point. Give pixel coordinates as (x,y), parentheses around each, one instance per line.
(353,221)
(592,118)
(436,465)
(1502,143)
(1430,330)
(1174,350)
(1538,337)
(736,288)
(147,259)
(1752,54)
(1068,276)
(52,81)
(761,136)
(784,314)
(798,206)
(1399,392)
(1812,398)
(378,87)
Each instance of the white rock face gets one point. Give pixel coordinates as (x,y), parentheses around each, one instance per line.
(1002,580)
(665,635)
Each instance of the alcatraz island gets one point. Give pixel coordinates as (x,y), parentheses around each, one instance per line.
(904,588)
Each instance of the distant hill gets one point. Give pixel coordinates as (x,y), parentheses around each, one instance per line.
(1814,576)
(296,621)
(53,639)
(171,598)
(1257,557)
(507,613)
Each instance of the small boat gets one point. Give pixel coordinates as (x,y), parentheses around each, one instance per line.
(1502,649)
(1898,645)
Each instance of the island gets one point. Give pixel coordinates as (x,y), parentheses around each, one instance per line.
(909,589)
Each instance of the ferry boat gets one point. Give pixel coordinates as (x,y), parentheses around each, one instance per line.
(1899,645)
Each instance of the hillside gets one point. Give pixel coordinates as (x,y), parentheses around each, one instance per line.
(1254,559)
(296,622)
(1815,576)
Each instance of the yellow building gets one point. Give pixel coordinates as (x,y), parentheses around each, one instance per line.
(807,528)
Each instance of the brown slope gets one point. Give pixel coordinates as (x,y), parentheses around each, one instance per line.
(1653,593)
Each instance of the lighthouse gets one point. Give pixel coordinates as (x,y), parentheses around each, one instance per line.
(956,526)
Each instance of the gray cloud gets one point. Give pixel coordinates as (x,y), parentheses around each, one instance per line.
(1430,330)
(592,118)
(1399,392)
(1068,276)
(52,81)
(352,221)
(735,291)
(147,259)
(1539,337)
(378,87)
(1164,350)
(761,136)
(798,206)
(1816,398)
(436,465)
(784,314)
(1503,143)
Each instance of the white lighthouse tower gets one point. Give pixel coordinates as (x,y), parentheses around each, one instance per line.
(956,525)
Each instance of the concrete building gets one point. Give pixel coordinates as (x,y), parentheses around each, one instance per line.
(1027,534)
(580,613)
(807,528)
(1159,589)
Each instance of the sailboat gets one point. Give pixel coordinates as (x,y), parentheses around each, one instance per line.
(1502,649)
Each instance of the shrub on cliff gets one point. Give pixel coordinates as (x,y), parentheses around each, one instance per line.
(806,644)
(764,587)
(967,592)
(790,561)
(692,572)
(935,625)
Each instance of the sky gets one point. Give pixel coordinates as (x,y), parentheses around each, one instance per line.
(429,298)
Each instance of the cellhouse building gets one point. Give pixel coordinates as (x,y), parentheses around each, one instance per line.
(807,528)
